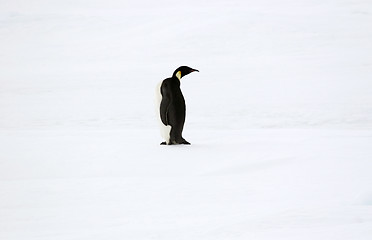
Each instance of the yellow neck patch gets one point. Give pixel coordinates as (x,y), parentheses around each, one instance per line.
(178,75)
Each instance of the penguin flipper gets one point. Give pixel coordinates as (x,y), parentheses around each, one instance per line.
(164,105)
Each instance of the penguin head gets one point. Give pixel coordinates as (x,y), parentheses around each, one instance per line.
(183,71)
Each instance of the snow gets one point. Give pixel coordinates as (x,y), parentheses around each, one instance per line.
(279,118)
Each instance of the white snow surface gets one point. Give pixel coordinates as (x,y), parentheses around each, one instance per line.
(279,117)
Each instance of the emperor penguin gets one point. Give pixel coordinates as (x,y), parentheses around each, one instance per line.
(171,107)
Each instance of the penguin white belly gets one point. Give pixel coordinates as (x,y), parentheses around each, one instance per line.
(164,129)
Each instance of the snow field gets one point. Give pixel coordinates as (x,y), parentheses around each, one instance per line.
(279,118)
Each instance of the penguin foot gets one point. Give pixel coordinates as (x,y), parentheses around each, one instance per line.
(185,142)
(163,143)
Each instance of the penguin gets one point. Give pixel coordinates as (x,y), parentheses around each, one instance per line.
(171,107)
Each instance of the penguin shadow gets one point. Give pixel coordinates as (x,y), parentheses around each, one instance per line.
(175,144)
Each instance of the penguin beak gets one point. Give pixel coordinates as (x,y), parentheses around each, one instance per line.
(194,70)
